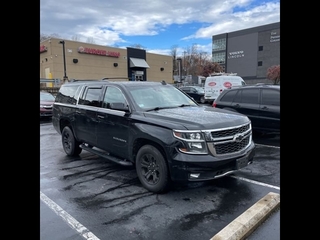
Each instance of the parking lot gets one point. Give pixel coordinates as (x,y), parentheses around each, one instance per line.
(92,198)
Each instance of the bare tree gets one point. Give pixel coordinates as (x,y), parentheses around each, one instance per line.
(137,45)
(210,67)
(273,74)
(44,37)
(90,40)
(76,38)
(174,50)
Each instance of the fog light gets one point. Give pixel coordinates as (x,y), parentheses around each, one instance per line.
(194,175)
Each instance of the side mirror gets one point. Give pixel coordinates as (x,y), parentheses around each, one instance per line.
(119,106)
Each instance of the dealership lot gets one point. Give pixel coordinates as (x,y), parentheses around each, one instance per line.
(97,199)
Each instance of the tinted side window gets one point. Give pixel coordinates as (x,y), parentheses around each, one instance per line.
(229,96)
(270,97)
(91,97)
(67,94)
(250,96)
(186,89)
(113,95)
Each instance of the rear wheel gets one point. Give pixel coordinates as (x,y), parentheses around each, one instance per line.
(152,169)
(70,145)
(202,100)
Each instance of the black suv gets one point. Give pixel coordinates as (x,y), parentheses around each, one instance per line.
(155,128)
(261,103)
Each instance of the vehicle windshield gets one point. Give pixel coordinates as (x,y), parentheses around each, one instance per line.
(199,89)
(46,97)
(160,97)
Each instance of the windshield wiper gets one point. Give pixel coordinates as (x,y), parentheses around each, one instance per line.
(184,105)
(155,109)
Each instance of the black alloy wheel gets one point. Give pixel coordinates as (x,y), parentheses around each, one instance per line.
(152,169)
(70,145)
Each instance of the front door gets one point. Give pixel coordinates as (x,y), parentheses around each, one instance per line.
(112,126)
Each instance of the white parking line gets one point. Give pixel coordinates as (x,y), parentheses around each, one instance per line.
(84,232)
(255,182)
(267,145)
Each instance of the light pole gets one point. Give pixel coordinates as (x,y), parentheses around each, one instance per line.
(65,77)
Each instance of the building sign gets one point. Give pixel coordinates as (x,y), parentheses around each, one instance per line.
(274,36)
(236,54)
(100,52)
(43,49)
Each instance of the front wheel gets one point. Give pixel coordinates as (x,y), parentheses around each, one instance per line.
(202,100)
(152,169)
(69,143)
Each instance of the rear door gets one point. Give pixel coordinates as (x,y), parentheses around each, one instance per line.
(247,103)
(86,114)
(270,109)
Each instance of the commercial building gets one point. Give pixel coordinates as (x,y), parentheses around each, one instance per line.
(65,59)
(249,52)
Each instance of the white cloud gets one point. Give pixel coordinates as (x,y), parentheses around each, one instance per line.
(112,22)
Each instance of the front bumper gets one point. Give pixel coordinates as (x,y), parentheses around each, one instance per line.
(187,167)
(45,113)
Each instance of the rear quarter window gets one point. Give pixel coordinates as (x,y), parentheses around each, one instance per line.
(228,96)
(270,97)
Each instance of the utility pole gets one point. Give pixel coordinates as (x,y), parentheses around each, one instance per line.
(65,77)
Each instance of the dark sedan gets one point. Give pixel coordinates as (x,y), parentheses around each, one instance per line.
(196,92)
(46,103)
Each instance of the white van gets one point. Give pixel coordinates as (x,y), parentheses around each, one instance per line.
(214,85)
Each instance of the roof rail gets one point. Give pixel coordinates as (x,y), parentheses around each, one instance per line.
(257,84)
(107,78)
(79,80)
(223,74)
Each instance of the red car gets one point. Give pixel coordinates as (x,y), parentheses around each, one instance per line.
(46,103)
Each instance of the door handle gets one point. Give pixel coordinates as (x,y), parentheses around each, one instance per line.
(101,116)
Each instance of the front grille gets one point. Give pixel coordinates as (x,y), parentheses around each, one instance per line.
(230,132)
(232,147)
(230,140)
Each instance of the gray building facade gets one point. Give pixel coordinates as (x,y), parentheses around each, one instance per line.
(249,52)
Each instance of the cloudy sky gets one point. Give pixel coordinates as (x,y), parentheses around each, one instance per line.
(156,25)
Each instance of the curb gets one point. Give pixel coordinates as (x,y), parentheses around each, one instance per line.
(247,222)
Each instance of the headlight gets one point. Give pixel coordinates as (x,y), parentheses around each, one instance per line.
(193,142)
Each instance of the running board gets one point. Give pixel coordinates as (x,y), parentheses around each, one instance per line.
(106,156)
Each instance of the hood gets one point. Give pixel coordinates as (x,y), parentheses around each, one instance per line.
(192,118)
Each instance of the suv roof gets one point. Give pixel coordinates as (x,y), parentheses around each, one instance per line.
(258,85)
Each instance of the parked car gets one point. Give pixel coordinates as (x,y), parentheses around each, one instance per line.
(196,92)
(261,103)
(155,128)
(46,103)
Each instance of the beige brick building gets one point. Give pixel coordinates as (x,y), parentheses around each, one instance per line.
(90,61)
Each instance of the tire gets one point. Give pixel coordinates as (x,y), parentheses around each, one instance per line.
(202,100)
(152,169)
(69,143)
